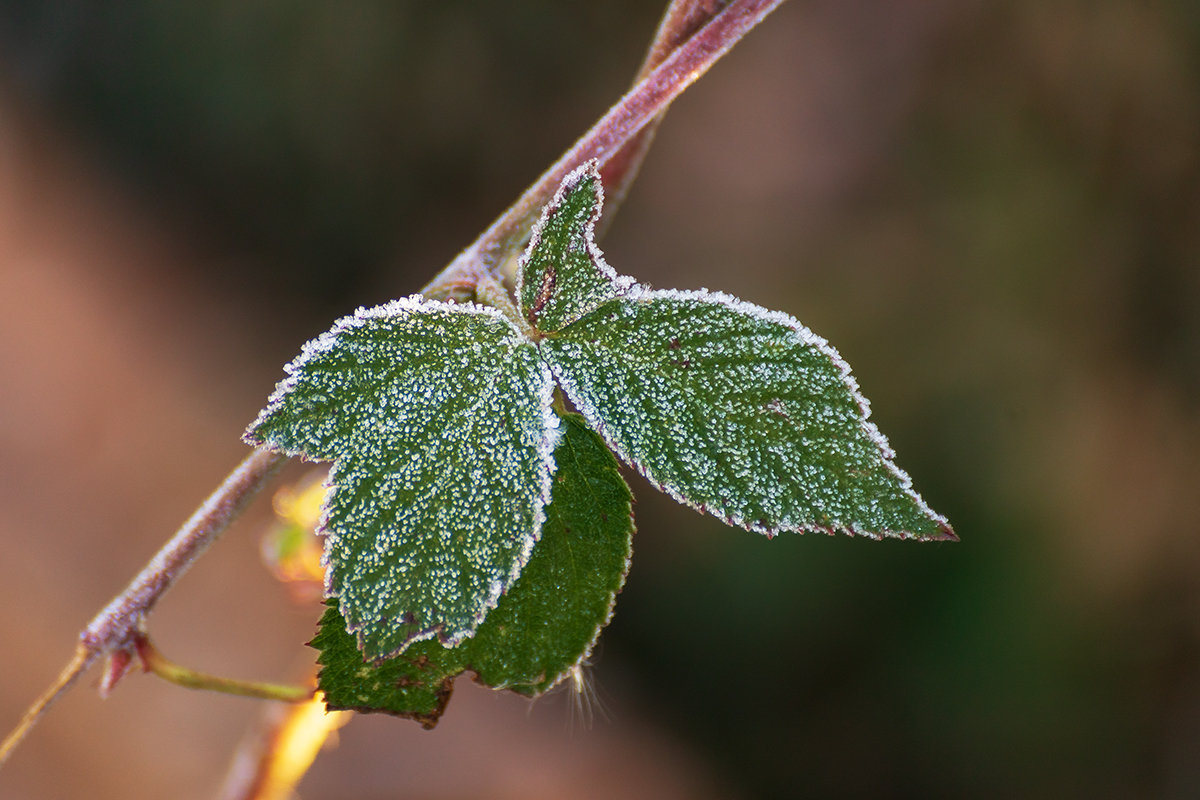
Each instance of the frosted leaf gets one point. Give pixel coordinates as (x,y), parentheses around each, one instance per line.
(562,274)
(735,410)
(438,419)
(542,628)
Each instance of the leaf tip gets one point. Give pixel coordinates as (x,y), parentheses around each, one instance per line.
(589,169)
(945,533)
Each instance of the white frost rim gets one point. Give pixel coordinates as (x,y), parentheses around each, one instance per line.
(589,169)
(643,293)
(544,456)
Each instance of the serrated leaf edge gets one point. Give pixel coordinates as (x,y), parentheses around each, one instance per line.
(551,429)
(642,293)
(429,720)
(589,169)
(413,304)
(551,434)
(608,616)
(612,603)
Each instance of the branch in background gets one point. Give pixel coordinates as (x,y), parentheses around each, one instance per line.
(681,20)
(634,111)
(274,759)
(694,38)
(114,630)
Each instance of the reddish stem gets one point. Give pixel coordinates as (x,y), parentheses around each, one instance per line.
(115,626)
(631,113)
(694,38)
(682,19)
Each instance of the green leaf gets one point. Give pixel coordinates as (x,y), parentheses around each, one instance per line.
(562,274)
(438,419)
(546,624)
(735,410)
(408,685)
(551,618)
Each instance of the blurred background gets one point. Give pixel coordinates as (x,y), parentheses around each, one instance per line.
(991,209)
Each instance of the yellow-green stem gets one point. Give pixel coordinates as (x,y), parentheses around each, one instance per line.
(65,680)
(168,670)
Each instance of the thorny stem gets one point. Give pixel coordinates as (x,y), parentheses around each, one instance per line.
(694,38)
(641,104)
(168,670)
(681,19)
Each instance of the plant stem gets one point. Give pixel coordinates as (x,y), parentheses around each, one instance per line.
(690,39)
(117,627)
(270,763)
(681,19)
(490,292)
(168,670)
(65,680)
(631,113)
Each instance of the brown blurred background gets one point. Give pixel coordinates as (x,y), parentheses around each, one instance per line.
(991,209)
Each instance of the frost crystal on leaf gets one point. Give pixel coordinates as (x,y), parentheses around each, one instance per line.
(562,275)
(543,627)
(438,419)
(733,409)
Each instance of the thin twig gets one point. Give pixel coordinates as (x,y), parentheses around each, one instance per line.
(631,113)
(168,670)
(680,21)
(116,627)
(65,680)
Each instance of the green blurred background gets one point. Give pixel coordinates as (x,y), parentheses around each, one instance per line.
(991,209)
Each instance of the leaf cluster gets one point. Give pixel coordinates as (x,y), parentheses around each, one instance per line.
(472,524)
